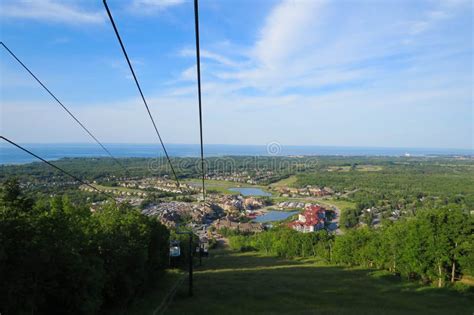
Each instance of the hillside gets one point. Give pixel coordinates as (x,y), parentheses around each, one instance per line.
(249,283)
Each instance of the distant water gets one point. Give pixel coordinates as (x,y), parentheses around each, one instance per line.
(271,216)
(12,155)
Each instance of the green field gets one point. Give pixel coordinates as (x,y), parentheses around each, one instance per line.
(341,204)
(222,186)
(118,188)
(287,182)
(249,283)
(360,168)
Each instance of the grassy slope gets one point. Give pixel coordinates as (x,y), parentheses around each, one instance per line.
(148,303)
(119,188)
(223,186)
(341,204)
(248,283)
(287,182)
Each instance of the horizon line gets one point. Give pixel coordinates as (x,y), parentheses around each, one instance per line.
(252,145)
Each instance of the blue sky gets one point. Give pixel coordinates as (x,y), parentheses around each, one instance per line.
(298,72)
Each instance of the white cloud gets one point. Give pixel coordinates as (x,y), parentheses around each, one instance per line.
(311,58)
(49,11)
(273,62)
(311,74)
(310,45)
(282,34)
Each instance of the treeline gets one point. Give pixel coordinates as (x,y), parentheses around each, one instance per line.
(441,176)
(57,258)
(402,184)
(435,246)
(287,243)
(107,171)
(101,169)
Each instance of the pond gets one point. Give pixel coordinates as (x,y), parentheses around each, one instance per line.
(249,191)
(274,216)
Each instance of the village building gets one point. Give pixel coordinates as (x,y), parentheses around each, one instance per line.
(249,227)
(306,191)
(311,220)
(252,203)
(231,203)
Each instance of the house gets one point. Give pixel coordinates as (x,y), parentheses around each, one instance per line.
(231,203)
(293,191)
(252,203)
(311,220)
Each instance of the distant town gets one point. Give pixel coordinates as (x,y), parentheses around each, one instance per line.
(245,208)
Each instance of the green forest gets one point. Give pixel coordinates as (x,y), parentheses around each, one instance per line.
(434,247)
(58,258)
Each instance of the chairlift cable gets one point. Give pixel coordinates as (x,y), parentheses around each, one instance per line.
(64,107)
(198,63)
(140,90)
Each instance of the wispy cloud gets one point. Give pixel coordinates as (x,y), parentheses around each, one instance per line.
(61,40)
(49,11)
(310,57)
(444,10)
(153,6)
(274,60)
(280,36)
(189,74)
(299,48)
(396,73)
(119,65)
(206,54)
(283,55)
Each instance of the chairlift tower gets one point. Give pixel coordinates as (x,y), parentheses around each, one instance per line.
(190,233)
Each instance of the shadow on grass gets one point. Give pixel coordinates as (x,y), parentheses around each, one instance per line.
(148,302)
(225,259)
(248,283)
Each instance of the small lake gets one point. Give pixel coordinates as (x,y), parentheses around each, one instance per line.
(274,216)
(249,191)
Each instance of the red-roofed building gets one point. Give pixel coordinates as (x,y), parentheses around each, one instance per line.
(311,220)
